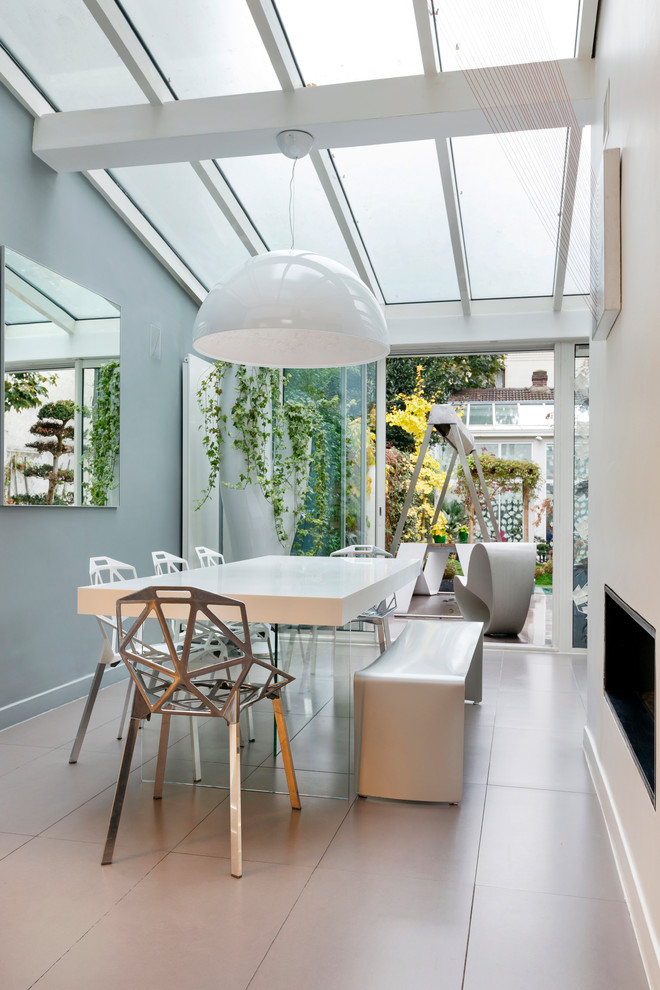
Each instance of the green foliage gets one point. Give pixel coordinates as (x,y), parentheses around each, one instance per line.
(26,389)
(502,476)
(102,444)
(282,443)
(54,437)
(443,376)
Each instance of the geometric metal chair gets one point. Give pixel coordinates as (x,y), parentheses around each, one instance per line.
(176,679)
(104,570)
(378,614)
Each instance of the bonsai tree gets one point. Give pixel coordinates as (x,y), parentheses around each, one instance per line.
(55,438)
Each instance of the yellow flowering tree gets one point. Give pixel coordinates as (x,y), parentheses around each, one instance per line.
(410,413)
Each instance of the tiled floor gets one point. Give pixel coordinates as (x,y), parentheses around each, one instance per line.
(515,889)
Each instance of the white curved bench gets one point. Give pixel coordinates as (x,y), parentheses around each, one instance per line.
(498,587)
(409,712)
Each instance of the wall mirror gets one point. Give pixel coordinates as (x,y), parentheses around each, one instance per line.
(59,367)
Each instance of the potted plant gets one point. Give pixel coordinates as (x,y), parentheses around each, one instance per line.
(439,531)
(462,534)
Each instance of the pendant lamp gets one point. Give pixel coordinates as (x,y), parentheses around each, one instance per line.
(291,309)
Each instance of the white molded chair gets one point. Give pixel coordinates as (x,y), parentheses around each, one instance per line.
(104,570)
(378,614)
(498,587)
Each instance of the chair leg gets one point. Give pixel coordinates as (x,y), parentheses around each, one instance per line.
(194,742)
(380,628)
(162,756)
(120,790)
(127,702)
(235,800)
(250,722)
(87,711)
(286,754)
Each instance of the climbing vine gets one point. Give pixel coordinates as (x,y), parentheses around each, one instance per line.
(99,460)
(282,443)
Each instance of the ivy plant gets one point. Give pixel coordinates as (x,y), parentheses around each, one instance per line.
(282,443)
(101,454)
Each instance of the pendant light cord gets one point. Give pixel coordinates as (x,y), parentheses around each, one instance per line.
(291,203)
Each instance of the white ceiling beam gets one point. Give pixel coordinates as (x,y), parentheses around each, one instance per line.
(345,115)
(20,86)
(455,226)
(426,37)
(274,40)
(566,215)
(586,32)
(125,42)
(149,236)
(38,301)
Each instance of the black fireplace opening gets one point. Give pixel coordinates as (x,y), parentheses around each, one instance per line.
(630,680)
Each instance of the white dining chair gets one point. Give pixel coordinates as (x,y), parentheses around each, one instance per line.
(377,615)
(104,570)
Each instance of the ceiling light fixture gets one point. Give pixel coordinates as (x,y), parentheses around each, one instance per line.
(291,309)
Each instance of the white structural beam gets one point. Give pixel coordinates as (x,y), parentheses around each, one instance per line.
(42,304)
(454,219)
(18,84)
(274,40)
(524,324)
(223,196)
(427,44)
(346,115)
(566,216)
(586,33)
(125,42)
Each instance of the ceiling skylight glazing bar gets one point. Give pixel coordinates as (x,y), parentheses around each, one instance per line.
(22,87)
(427,42)
(276,44)
(450,192)
(573,142)
(128,46)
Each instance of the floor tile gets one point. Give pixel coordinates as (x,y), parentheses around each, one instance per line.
(9,841)
(521,940)
(549,710)
(397,838)
(366,932)
(272,831)
(16,756)
(539,758)
(550,841)
(51,893)
(533,675)
(188,924)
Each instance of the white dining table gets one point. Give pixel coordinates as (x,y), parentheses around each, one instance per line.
(314,591)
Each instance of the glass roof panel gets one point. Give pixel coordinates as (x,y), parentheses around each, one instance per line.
(18,313)
(475,33)
(78,302)
(178,205)
(66,53)
(262,184)
(356,39)
(395,192)
(579,258)
(222,53)
(509,192)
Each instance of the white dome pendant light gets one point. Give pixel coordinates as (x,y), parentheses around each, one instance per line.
(291,309)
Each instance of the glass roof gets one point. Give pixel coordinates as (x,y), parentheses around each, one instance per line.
(66,53)
(78,302)
(350,40)
(212,62)
(390,198)
(510,226)
(263,184)
(396,195)
(183,212)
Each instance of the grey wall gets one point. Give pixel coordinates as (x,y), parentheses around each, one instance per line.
(60,221)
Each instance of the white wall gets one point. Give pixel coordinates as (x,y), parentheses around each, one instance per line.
(47,651)
(625,438)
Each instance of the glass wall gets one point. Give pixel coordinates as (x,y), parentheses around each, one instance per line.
(341,498)
(581,496)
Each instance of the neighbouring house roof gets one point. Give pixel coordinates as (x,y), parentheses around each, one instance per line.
(532,394)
